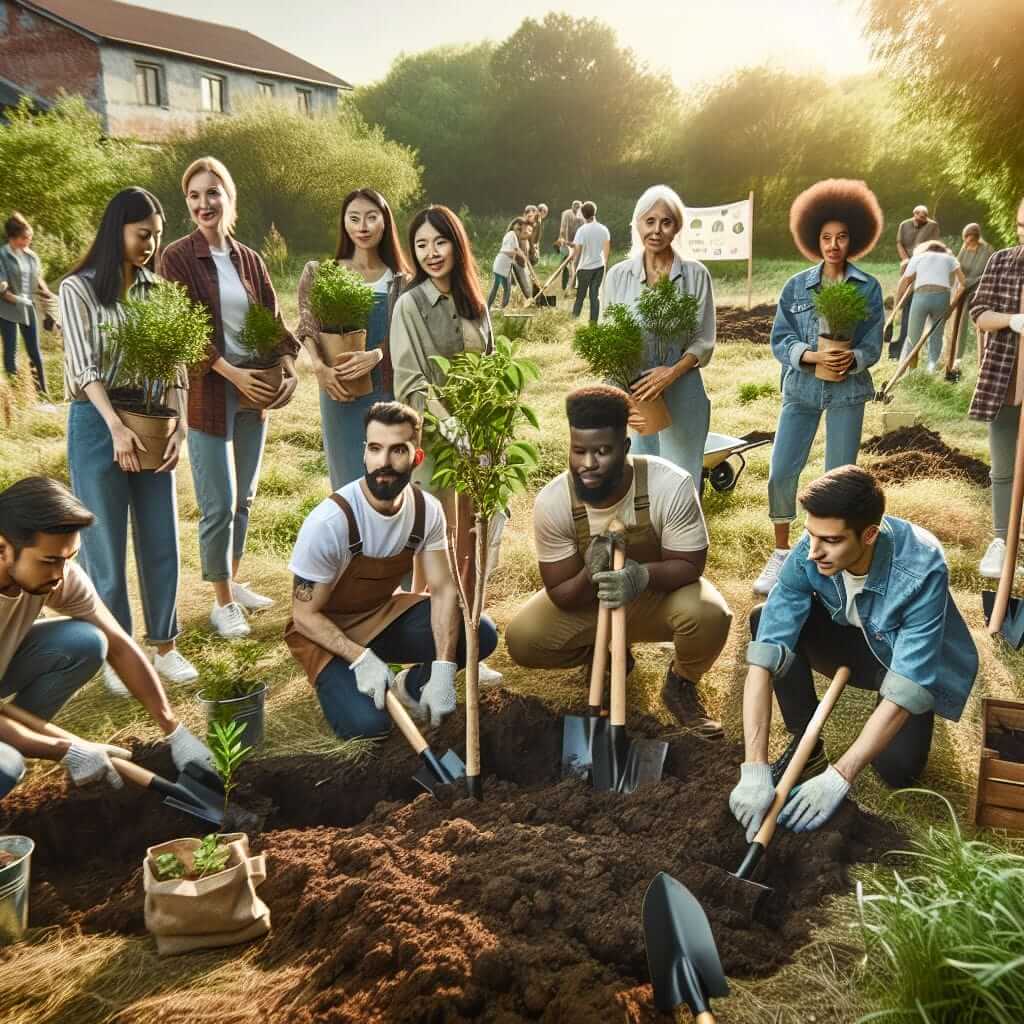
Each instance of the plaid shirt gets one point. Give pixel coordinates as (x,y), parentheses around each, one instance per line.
(1000,292)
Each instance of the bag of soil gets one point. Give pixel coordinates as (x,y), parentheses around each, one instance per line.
(223,909)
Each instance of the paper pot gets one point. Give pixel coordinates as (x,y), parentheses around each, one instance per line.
(656,415)
(153,431)
(827,344)
(273,375)
(336,348)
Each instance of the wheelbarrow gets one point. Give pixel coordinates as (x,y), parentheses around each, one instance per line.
(724,461)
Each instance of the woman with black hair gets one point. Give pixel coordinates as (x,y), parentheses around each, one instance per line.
(102,452)
(368,243)
(833,222)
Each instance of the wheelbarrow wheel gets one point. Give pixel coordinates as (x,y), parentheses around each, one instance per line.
(722,477)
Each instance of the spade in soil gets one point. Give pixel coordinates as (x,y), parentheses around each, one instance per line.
(579,732)
(1003,613)
(681,952)
(443,770)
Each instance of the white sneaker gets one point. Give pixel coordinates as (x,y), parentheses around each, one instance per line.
(112,681)
(405,698)
(229,620)
(770,574)
(174,667)
(249,599)
(488,676)
(991,565)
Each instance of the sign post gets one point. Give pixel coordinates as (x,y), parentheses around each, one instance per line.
(750,253)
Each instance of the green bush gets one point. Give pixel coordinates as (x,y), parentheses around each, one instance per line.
(669,314)
(339,298)
(612,349)
(841,306)
(261,334)
(275,252)
(751,392)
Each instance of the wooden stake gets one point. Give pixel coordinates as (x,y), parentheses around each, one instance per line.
(750,255)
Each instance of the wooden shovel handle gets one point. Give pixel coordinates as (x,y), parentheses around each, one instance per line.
(600,662)
(618,616)
(802,754)
(1002,601)
(406,726)
(707,1017)
(896,308)
(131,772)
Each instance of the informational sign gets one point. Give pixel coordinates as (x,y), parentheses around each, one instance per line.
(720,232)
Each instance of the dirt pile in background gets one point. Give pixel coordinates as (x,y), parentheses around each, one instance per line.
(913,452)
(736,323)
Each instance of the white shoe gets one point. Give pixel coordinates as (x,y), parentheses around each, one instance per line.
(488,676)
(249,599)
(112,681)
(174,667)
(770,574)
(405,698)
(229,620)
(991,565)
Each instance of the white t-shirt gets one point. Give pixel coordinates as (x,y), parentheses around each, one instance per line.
(383,283)
(509,247)
(321,549)
(591,237)
(676,514)
(934,268)
(234,304)
(854,585)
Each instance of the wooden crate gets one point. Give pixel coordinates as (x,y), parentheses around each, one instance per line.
(999,799)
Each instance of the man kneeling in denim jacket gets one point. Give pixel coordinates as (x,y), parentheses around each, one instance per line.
(870,592)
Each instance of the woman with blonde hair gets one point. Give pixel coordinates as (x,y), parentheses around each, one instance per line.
(658,252)
(226,439)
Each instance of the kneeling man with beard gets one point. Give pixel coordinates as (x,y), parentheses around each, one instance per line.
(666,542)
(350,618)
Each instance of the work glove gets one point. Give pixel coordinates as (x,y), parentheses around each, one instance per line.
(452,430)
(87,762)
(438,695)
(1017,323)
(812,803)
(373,677)
(750,800)
(24,300)
(616,588)
(187,748)
(599,554)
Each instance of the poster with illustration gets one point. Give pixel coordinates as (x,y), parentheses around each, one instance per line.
(719,232)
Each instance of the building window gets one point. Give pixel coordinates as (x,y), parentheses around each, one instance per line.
(304,100)
(265,90)
(212,93)
(147,85)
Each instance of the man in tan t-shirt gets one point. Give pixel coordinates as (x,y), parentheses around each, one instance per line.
(44,661)
(661,587)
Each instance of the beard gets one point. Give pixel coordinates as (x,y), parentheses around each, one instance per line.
(387,489)
(607,487)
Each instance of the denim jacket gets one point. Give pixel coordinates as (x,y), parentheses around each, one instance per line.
(796,330)
(907,616)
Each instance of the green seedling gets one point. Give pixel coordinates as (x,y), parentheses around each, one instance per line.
(261,334)
(210,856)
(751,392)
(169,866)
(841,306)
(340,299)
(225,742)
(614,348)
(669,315)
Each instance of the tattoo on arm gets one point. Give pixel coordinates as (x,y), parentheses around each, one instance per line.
(303,590)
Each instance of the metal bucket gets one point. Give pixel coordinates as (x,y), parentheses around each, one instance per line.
(14,888)
(248,710)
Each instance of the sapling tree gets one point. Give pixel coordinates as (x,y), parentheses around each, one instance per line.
(614,348)
(169,866)
(209,857)
(261,334)
(667,313)
(841,306)
(340,299)
(483,459)
(225,742)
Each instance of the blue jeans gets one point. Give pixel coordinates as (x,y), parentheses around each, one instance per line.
(500,281)
(150,499)
(225,472)
(56,658)
(408,640)
(794,435)
(343,422)
(683,440)
(927,307)
(30,335)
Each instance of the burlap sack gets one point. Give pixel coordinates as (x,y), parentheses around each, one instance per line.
(219,910)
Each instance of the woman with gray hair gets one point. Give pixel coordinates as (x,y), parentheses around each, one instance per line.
(973,257)
(658,252)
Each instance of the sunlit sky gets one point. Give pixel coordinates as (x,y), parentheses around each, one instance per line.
(694,40)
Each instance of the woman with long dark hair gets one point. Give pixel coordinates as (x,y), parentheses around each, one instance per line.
(102,452)
(368,243)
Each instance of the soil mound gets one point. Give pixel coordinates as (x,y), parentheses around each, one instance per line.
(734,323)
(913,452)
(525,906)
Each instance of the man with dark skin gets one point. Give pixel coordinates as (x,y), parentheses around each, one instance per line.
(665,539)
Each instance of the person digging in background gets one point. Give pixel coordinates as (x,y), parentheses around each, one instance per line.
(973,258)
(871,592)
(911,233)
(43,662)
(661,587)
(932,273)
(571,222)
(349,617)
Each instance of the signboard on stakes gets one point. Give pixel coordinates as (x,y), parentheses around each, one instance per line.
(723,232)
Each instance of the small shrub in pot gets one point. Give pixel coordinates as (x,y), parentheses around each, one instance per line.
(840,307)
(260,337)
(342,303)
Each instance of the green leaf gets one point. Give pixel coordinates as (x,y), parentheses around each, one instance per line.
(531,416)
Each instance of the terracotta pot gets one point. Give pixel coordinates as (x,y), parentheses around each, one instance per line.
(273,375)
(827,344)
(153,431)
(655,413)
(336,348)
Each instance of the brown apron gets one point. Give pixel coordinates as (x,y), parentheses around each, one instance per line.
(642,542)
(364,601)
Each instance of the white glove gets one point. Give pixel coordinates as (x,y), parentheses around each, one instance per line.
(1017,323)
(87,762)
(373,677)
(186,749)
(812,803)
(24,300)
(452,430)
(438,695)
(750,800)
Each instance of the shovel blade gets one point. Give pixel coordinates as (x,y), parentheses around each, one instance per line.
(578,734)
(1012,630)
(439,771)
(611,750)
(681,954)
(206,791)
(203,813)
(645,763)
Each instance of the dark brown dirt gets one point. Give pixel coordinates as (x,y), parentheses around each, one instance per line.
(913,452)
(736,323)
(526,906)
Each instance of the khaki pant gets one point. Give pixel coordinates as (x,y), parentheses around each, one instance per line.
(695,618)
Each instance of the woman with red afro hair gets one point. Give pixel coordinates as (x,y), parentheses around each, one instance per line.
(833,223)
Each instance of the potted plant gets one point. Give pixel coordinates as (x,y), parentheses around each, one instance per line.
(157,336)
(487,463)
(670,317)
(840,307)
(260,337)
(233,692)
(342,302)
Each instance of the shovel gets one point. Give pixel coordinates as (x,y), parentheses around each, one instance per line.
(887,328)
(443,770)
(884,393)
(681,953)
(578,733)
(952,374)
(1005,614)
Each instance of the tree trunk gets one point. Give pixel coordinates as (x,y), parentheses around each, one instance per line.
(471,617)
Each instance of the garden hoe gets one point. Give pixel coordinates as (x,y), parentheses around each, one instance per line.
(751,893)
(681,953)
(444,770)
(1005,614)
(578,732)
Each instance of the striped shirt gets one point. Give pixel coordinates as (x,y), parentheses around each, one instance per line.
(89,353)
(1001,290)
